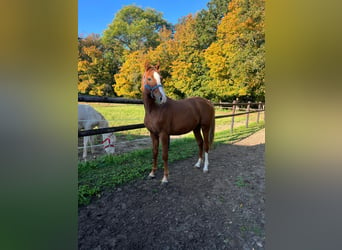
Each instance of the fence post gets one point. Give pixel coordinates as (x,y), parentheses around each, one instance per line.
(259,109)
(248,109)
(233,112)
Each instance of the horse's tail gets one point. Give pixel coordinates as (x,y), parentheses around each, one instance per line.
(212,131)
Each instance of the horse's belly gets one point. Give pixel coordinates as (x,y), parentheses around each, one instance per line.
(180,129)
(180,132)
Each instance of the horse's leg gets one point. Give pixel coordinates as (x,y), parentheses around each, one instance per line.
(91,140)
(199,139)
(165,138)
(85,142)
(205,132)
(155,144)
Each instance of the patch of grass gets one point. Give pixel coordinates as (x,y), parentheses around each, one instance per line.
(111,170)
(123,114)
(240,182)
(238,133)
(249,228)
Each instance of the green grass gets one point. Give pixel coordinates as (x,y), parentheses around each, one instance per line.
(240,182)
(123,114)
(111,170)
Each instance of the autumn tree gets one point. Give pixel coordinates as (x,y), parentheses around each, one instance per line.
(97,64)
(237,59)
(128,80)
(164,55)
(188,69)
(218,53)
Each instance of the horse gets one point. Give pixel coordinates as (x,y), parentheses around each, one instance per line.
(165,116)
(89,118)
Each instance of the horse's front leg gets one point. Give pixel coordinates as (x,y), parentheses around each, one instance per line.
(155,145)
(165,138)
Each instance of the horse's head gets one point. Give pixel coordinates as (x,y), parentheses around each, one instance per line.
(151,83)
(108,143)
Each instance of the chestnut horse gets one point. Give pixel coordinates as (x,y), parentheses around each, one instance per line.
(165,117)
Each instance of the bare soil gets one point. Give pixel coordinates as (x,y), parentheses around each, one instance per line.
(223,209)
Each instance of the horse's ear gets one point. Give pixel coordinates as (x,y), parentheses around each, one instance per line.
(157,66)
(147,65)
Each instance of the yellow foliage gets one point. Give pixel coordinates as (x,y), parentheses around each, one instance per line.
(235,61)
(128,80)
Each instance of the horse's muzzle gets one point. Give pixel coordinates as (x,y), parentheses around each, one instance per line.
(159,98)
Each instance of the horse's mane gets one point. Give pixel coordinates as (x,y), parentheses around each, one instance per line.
(102,117)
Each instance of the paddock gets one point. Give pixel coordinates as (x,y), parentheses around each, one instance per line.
(224,209)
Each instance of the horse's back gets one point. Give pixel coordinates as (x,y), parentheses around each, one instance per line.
(202,106)
(87,116)
(186,114)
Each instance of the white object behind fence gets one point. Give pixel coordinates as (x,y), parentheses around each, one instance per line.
(89,118)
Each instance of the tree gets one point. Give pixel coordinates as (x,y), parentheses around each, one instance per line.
(164,54)
(135,28)
(208,20)
(189,76)
(237,59)
(128,80)
(97,64)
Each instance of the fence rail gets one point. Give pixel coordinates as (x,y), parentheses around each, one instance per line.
(89,132)
(106,99)
(109,129)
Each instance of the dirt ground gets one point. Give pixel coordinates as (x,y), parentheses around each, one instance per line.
(223,209)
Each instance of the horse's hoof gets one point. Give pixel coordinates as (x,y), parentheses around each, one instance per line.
(151,176)
(205,171)
(164,181)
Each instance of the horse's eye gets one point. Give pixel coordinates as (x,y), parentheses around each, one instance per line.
(149,79)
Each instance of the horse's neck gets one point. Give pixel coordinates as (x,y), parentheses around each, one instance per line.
(149,103)
(103,123)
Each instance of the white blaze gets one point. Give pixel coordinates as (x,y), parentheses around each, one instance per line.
(161,89)
(157,77)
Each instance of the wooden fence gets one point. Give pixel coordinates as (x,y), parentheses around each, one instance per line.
(234,106)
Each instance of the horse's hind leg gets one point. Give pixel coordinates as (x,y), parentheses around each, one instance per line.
(206,149)
(199,139)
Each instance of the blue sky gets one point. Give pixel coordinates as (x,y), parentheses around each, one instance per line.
(94,16)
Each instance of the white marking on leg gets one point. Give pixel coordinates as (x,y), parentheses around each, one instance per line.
(206,163)
(198,164)
(151,175)
(164,180)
